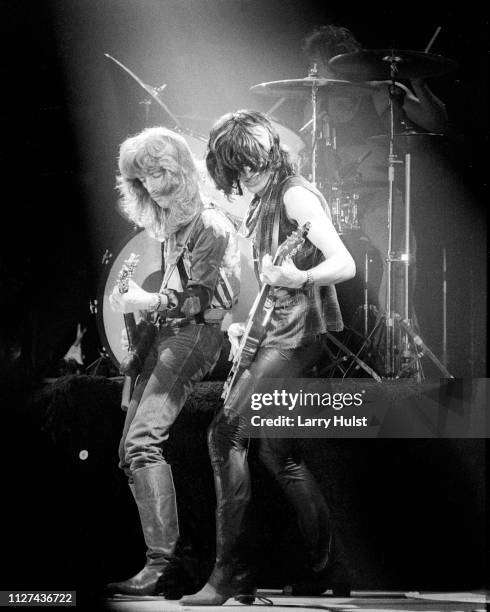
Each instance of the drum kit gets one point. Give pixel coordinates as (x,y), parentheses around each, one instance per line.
(363,72)
(360,75)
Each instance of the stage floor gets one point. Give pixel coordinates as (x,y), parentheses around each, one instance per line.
(367,601)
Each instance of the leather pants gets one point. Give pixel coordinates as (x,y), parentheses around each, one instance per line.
(282,458)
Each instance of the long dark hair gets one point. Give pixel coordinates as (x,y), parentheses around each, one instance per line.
(233,145)
(329,40)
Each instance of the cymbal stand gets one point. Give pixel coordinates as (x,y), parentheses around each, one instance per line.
(365,292)
(410,353)
(421,349)
(444,307)
(93,368)
(390,256)
(330,143)
(314,128)
(349,355)
(153,91)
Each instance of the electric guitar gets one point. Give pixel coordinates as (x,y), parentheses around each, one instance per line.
(140,335)
(260,313)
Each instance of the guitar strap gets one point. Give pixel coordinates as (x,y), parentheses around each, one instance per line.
(275,226)
(277,218)
(275,230)
(170,269)
(162,259)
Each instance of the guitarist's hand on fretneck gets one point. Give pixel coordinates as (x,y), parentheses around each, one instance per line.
(134,299)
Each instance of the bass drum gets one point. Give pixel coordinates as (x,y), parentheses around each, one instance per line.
(148,275)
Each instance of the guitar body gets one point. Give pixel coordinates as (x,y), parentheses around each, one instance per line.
(260,313)
(252,345)
(140,337)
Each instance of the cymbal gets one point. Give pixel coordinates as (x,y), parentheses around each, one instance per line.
(303,87)
(399,135)
(375,65)
(154,92)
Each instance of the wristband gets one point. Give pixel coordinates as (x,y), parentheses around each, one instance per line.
(309,280)
(158,303)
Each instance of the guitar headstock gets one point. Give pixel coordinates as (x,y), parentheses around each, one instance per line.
(293,242)
(126,272)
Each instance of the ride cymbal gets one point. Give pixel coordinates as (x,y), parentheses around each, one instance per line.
(376,64)
(302,87)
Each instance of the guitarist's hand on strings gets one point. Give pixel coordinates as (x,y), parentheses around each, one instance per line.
(285,275)
(235,332)
(124,340)
(134,299)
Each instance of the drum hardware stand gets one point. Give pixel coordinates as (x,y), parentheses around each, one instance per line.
(367,342)
(421,349)
(348,354)
(390,257)
(365,305)
(153,91)
(334,362)
(330,143)
(313,73)
(444,307)
(275,106)
(327,134)
(92,368)
(410,355)
(329,182)
(146,103)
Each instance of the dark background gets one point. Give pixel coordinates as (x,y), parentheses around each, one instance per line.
(66,108)
(414,509)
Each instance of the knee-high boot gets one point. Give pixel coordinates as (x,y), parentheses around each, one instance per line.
(282,458)
(231,576)
(154,493)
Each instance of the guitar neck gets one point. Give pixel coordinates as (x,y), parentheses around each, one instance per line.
(255,330)
(258,303)
(130,323)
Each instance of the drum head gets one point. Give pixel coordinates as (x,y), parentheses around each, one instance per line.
(290,141)
(148,274)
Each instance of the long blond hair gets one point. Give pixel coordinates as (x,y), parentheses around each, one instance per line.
(151,150)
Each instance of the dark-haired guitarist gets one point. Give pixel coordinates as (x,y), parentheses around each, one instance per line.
(244,150)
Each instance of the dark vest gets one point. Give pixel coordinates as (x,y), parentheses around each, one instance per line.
(300,315)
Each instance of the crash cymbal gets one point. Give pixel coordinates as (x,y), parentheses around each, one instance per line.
(154,92)
(375,65)
(302,87)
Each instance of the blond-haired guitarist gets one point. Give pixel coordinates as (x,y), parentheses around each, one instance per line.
(159,187)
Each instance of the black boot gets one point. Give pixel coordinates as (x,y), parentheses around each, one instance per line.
(154,492)
(335,577)
(221,586)
(181,576)
(231,576)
